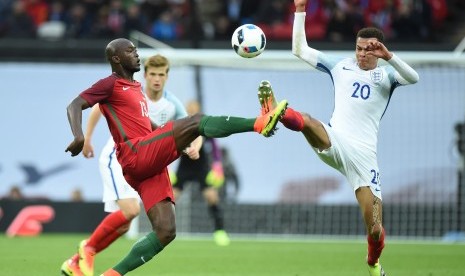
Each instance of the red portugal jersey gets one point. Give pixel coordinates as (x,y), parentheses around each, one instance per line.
(124,106)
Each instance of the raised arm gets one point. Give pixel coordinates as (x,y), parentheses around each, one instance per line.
(74,112)
(300,47)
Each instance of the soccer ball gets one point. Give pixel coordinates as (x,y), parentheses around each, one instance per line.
(248,41)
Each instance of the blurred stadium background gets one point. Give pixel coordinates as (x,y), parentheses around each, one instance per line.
(52,50)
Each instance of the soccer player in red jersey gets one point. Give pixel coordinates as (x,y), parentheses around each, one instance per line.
(144,149)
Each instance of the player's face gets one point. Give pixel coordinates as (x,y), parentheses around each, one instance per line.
(155,78)
(130,58)
(365,60)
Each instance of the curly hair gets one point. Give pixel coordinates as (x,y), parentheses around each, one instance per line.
(370,32)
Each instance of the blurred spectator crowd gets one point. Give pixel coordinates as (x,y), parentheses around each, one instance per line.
(327,20)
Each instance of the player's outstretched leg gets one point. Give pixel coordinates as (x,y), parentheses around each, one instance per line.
(292,119)
(71,267)
(223,126)
(376,270)
(86,258)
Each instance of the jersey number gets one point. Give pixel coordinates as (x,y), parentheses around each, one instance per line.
(144,109)
(375,179)
(361,91)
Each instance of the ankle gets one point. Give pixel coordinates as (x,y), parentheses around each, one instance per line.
(293,120)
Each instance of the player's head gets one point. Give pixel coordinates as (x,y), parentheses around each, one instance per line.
(156,70)
(362,45)
(157,61)
(122,55)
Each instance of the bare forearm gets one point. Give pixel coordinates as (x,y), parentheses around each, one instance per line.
(74,112)
(94,117)
(197,143)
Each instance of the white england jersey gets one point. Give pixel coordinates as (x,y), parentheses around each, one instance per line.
(360,100)
(360,97)
(115,187)
(167,108)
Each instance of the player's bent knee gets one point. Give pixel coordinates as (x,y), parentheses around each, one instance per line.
(134,212)
(165,233)
(166,236)
(131,212)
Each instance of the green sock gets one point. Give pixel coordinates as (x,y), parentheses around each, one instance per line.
(223,126)
(141,252)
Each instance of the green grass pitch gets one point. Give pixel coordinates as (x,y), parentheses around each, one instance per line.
(277,257)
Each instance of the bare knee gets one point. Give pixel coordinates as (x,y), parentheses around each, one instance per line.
(210,195)
(185,130)
(131,212)
(165,233)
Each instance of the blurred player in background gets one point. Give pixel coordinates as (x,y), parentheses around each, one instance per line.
(348,143)
(145,149)
(208,172)
(121,200)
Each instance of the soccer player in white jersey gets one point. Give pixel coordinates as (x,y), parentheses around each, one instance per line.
(121,200)
(348,143)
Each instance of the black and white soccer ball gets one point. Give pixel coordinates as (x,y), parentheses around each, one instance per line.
(248,41)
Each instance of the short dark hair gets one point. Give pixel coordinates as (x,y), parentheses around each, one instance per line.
(370,32)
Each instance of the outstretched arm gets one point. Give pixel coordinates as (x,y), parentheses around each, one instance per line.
(300,47)
(74,111)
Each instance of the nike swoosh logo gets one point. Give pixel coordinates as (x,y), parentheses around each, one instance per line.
(125,88)
(227,119)
(345,68)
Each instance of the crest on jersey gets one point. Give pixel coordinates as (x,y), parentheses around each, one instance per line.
(376,75)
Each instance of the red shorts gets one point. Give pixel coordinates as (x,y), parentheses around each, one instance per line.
(144,161)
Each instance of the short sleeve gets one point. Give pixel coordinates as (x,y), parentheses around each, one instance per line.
(99,91)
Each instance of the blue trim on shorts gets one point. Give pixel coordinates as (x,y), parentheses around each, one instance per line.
(110,157)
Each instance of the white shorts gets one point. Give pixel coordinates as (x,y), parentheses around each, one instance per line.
(354,160)
(115,186)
